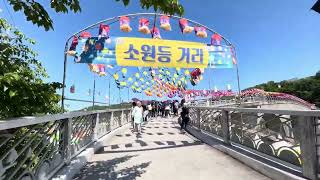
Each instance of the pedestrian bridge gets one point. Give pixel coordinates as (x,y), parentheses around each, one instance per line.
(221,142)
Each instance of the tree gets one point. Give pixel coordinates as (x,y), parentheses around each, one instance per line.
(22,89)
(306,88)
(38,15)
(318,75)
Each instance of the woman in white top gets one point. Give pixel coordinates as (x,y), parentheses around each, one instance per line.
(149,110)
(137,114)
(145,113)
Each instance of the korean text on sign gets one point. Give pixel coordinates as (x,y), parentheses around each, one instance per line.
(160,53)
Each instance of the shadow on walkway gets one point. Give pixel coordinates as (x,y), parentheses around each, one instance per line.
(144,145)
(100,170)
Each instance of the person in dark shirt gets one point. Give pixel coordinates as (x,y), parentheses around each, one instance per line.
(184,115)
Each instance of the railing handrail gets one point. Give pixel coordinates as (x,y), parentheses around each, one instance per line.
(262,99)
(31,120)
(267,111)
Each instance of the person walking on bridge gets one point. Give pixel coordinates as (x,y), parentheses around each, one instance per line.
(134,104)
(137,114)
(184,115)
(150,110)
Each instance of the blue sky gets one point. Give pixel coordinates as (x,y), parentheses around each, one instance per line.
(275,40)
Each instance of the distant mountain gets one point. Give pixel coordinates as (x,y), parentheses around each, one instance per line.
(307,88)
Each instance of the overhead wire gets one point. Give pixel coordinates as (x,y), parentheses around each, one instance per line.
(10,15)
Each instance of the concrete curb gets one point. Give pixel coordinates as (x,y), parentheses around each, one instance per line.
(67,172)
(263,168)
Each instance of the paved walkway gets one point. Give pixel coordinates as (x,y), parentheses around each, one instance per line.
(162,152)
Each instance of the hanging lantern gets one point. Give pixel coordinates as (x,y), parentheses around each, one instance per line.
(85,35)
(137,75)
(125,24)
(144,26)
(104,30)
(123,83)
(216,39)
(200,32)
(73,46)
(93,68)
(72,89)
(165,23)
(178,70)
(124,72)
(116,76)
(153,73)
(156,33)
(101,69)
(148,92)
(170,95)
(184,26)
(195,76)
(109,66)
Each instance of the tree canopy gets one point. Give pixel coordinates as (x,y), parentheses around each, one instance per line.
(306,88)
(38,15)
(22,89)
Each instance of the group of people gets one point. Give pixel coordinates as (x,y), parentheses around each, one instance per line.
(141,113)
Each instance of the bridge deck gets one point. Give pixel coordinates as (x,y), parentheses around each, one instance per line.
(162,151)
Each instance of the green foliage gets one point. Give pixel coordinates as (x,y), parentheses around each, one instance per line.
(166,6)
(22,89)
(38,15)
(306,88)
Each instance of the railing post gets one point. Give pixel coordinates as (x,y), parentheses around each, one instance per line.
(129,116)
(67,140)
(111,121)
(121,117)
(308,146)
(225,126)
(96,128)
(199,119)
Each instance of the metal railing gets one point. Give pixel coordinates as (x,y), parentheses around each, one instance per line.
(37,147)
(249,100)
(288,138)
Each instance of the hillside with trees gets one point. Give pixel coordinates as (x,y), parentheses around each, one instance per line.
(305,88)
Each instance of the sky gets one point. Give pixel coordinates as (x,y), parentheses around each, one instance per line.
(275,40)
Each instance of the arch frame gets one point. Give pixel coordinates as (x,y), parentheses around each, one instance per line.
(115,19)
